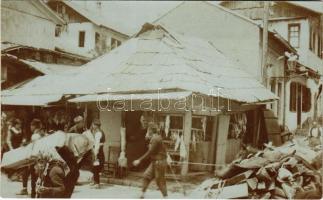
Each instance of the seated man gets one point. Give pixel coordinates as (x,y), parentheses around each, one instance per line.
(315,135)
(51,177)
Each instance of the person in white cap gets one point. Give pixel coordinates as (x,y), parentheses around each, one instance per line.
(78,125)
(51,177)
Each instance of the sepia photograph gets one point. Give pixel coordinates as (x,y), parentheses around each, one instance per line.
(161,99)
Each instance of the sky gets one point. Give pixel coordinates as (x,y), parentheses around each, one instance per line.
(129,16)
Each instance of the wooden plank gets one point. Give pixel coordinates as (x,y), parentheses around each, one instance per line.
(252,183)
(279,192)
(233,148)
(261,185)
(238,178)
(187,140)
(213,142)
(235,191)
(272,127)
(222,137)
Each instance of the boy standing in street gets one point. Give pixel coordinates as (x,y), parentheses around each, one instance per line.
(157,168)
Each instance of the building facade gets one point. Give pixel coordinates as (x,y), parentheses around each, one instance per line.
(244,46)
(302,27)
(30,23)
(86,32)
(28,45)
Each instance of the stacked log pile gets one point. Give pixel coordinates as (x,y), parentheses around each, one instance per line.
(291,171)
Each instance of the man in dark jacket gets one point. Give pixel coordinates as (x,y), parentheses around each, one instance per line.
(157,167)
(51,178)
(72,153)
(36,129)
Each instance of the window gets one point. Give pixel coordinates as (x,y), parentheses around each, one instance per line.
(294,34)
(279,94)
(97,38)
(37,56)
(319,46)
(176,122)
(99,4)
(114,43)
(237,126)
(58,30)
(201,128)
(60,9)
(292,97)
(306,99)
(47,58)
(81,38)
(314,42)
(311,38)
(299,94)
(4,73)
(273,90)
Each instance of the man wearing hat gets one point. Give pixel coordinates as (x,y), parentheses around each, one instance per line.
(78,125)
(97,140)
(51,177)
(157,168)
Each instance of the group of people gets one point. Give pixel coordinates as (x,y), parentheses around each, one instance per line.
(48,175)
(50,172)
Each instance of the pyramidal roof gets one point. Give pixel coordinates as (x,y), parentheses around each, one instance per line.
(157,58)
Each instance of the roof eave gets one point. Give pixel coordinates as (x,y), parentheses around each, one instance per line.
(50,12)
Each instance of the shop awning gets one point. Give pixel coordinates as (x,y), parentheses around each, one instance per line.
(29,100)
(144,96)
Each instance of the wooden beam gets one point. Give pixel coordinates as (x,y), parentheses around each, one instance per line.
(187,140)
(213,142)
(222,138)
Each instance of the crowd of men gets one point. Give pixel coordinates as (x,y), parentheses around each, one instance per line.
(48,176)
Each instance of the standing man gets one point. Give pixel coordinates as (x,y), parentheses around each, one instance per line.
(97,139)
(37,133)
(157,167)
(15,136)
(78,125)
(315,135)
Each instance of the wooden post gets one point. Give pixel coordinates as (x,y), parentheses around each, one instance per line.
(222,138)
(187,140)
(265,44)
(85,115)
(213,143)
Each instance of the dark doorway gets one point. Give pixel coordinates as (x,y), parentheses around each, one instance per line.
(136,142)
(299,105)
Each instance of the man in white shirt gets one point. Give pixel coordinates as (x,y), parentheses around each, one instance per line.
(315,135)
(97,139)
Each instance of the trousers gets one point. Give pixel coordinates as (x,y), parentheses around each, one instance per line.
(156,170)
(30,171)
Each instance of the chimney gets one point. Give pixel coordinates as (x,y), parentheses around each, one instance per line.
(98,5)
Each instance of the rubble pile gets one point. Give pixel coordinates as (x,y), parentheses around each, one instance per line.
(292,171)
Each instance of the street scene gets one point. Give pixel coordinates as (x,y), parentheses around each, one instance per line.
(161,99)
